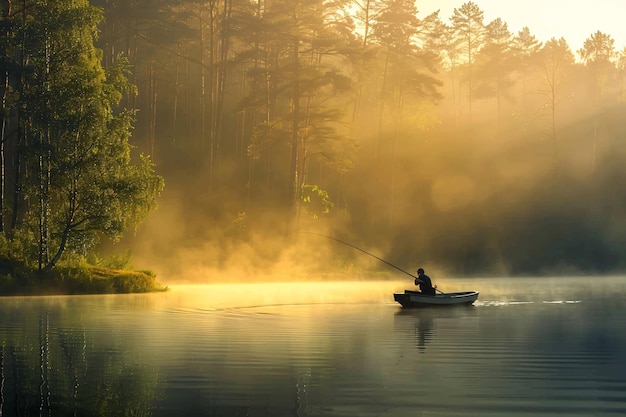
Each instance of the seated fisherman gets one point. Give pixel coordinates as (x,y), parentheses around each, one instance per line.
(424,282)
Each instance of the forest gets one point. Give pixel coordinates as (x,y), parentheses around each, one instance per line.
(446,142)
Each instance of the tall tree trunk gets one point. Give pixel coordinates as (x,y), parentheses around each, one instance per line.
(203,89)
(394,151)
(44,208)
(268,118)
(456,96)
(381,106)
(303,152)
(44,178)
(212,76)
(221,77)
(67,227)
(295,116)
(553,119)
(149,100)
(176,94)
(470,87)
(359,92)
(72,209)
(22,132)
(2,158)
(18,174)
(6,8)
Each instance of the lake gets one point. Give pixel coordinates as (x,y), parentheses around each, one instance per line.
(528,347)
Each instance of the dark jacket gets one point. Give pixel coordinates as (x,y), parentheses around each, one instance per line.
(426,285)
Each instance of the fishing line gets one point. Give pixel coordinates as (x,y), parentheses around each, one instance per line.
(367,253)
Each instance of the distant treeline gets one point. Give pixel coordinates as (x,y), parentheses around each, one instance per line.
(445,141)
(441,141)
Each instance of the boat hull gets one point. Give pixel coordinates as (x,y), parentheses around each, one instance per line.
(414,299)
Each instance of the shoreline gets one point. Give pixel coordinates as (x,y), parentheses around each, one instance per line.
(18,280)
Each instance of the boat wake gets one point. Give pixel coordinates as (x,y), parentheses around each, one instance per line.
(498,303)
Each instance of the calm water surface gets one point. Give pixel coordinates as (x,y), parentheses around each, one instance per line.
(528,347)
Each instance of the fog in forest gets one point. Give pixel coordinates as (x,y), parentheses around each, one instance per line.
(442,142)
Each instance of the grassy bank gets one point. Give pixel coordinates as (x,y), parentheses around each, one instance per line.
(18,279)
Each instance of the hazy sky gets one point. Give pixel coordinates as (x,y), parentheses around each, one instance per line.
(574,20)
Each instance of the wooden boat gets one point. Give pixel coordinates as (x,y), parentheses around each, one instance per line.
(415,299)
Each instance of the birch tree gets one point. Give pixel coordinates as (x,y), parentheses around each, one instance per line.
(78,179)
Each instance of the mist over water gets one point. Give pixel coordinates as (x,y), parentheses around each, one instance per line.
(533,346)
(501,156)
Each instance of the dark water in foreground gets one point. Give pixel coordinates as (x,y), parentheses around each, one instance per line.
(328,349)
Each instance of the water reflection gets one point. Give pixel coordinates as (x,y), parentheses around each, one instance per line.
(421,320)
(426,324)
(51,364)
(324,352)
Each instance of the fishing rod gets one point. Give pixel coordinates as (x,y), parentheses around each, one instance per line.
(367,253)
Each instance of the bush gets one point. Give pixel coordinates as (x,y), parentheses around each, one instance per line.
(81,278)
(73,274)
(19,248)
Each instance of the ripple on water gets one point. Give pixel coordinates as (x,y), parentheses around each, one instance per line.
(221,351)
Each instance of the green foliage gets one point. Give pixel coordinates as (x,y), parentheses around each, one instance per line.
(266,137)
(77,179)
(316,200)
(73,276)
(21,247)
(114,261)
(118,83)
